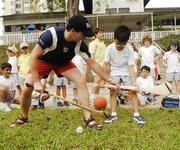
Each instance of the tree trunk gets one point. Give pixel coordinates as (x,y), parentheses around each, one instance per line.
(72,8)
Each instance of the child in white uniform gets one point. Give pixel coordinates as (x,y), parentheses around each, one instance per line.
(144,81)
(13,60)
(172,58)
(7,87)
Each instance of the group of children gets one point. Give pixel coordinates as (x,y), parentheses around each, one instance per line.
(119,60)
(13,74)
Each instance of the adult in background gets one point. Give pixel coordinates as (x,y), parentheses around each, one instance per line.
(54,51)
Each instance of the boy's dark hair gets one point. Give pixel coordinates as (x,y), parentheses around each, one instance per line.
(97,30)
(5,65)
(174,42)
(145,68)
(122,33)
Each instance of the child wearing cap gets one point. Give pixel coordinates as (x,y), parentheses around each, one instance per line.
(172,59)
(53,52)
(24,62)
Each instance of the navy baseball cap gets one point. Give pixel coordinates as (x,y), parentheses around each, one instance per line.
(80,24)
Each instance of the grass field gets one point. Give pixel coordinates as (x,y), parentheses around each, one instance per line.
(54,129)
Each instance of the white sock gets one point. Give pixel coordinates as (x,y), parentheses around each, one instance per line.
(93,96)
(113,114)
(136,114)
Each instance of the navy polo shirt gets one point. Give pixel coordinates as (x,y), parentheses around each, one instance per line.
(64,51)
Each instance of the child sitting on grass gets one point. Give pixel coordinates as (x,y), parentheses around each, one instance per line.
(7,87)
(144,81)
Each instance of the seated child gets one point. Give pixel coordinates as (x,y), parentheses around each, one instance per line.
(144,81)
(7,87)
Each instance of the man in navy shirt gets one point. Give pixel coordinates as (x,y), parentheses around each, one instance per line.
(54,51)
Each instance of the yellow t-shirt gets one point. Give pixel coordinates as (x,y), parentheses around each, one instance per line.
(97,49)
(24,65)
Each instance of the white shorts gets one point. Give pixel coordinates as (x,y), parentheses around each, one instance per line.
(16,78)
(73,85)
(173,76)
(60,81)
(125,78)
(143,98)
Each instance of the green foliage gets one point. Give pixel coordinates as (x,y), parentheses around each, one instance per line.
(3,55)
(164,42)
(55,129)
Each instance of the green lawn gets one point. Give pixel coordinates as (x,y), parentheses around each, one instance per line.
(50,129)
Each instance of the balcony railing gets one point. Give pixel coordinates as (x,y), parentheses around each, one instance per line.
(33,37)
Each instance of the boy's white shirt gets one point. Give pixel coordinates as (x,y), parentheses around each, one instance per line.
(79,62)
(173,61)
(119,60)
(147,55)
(14,63)
(10,82)
(145,82)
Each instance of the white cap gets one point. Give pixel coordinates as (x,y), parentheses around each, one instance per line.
(23,44)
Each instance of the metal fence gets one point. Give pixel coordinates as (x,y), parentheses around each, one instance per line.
(32,37)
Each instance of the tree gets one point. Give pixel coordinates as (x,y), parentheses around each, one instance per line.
(72,8)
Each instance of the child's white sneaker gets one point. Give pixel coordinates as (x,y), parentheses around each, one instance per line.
(6,107)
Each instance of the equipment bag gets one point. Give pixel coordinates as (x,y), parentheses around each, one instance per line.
(170,102)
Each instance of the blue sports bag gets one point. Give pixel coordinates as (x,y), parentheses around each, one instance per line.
(170,102)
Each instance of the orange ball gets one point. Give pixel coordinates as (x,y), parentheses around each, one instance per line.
(100,103)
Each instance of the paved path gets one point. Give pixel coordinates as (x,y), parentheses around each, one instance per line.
(104,92)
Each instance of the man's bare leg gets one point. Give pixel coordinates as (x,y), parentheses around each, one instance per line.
(25,97)
(83,94)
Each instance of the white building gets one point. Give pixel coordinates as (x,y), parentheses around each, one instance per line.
(117,6)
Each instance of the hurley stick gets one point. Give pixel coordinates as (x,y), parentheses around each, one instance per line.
(80,106)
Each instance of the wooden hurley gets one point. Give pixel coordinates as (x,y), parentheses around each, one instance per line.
(80,106)
(163,89)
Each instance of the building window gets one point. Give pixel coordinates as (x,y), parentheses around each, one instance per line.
(18,5)
(111,10)
(123,10)
(26,1)
(7,28)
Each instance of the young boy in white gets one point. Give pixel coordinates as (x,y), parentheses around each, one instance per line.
(119,63)
(7,87)
(172,58)
(144,81)
(13,60)
(147,53)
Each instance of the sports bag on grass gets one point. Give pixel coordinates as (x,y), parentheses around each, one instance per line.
(170,102)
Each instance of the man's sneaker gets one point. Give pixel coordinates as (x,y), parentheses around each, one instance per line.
(111,119)
(140,120)
(60,104)
(66,104)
